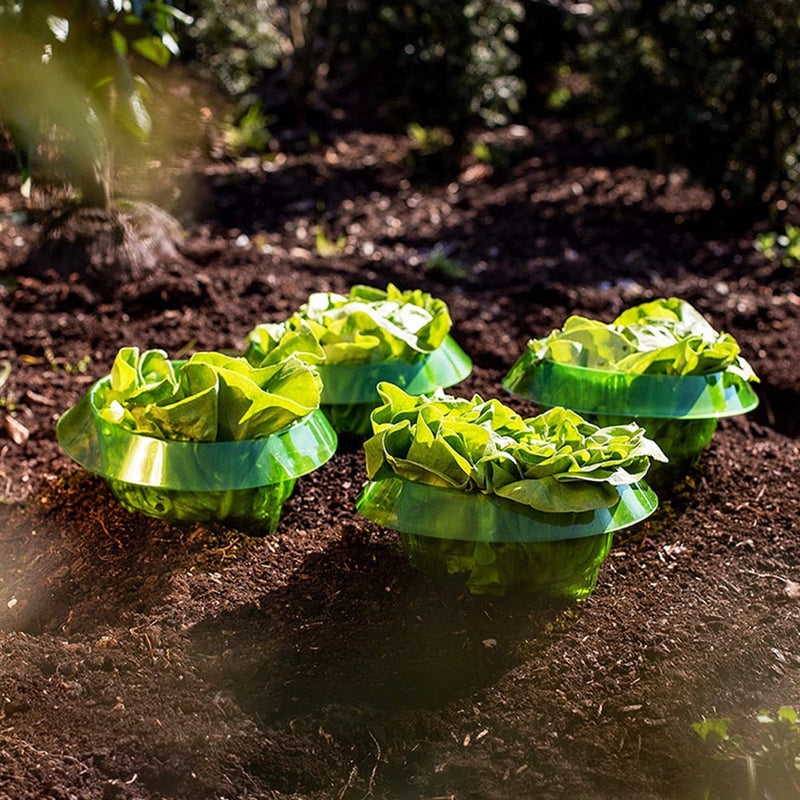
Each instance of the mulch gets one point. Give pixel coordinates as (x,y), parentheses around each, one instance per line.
(144,659)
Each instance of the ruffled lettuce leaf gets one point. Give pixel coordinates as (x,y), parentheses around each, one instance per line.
(556,462)
(366,326)
(210,397)
(661,337)
(272,342)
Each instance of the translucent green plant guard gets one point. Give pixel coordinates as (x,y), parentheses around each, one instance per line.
(246,480)
(493,545)
(679,412)
(257,509)
(595,391)
(351,418)
(349,392)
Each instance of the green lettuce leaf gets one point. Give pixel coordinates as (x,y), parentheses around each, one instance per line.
(556,462)
(210,397)
(272,342)
(661,337)
(366,326)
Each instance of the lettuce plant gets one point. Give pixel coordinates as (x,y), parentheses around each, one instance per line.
(556,463)
(209,398)
(367,327)
(665,338)
(662,337)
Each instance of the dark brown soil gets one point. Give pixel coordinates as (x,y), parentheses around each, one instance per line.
(140,659)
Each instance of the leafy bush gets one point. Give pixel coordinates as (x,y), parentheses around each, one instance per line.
(435,63)
(547,36)
(705,83)
(238,42)
(244,43)
(66,83)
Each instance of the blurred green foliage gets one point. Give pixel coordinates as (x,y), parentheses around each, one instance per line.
(249,133)
(67,91)
(764,766)
(237,41)
(439,63)
(783,247)
(444,267)
(708,84)
(325,247)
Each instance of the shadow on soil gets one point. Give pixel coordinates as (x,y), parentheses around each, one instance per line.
(778,409)
(76,545)
(258,201)
(357,626)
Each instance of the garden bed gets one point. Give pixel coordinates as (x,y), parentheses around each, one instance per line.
(142,659)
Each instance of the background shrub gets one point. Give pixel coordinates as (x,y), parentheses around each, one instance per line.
(434,62)
(238,41)
(709,84)
(68,95)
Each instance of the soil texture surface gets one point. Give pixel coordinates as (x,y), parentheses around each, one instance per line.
(143,659)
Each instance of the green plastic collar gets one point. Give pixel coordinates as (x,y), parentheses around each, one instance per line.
(118,454)
(443,513)
(594,391)
(445,366)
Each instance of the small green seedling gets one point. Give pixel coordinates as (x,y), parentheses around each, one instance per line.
(250,134)
(771,764)
(441,264)
(325,247)
(429,140)
(70,367)
(783,247)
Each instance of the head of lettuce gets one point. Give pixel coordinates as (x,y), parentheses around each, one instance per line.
(211,438)
(659,363)
(499,502)
(367,336)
